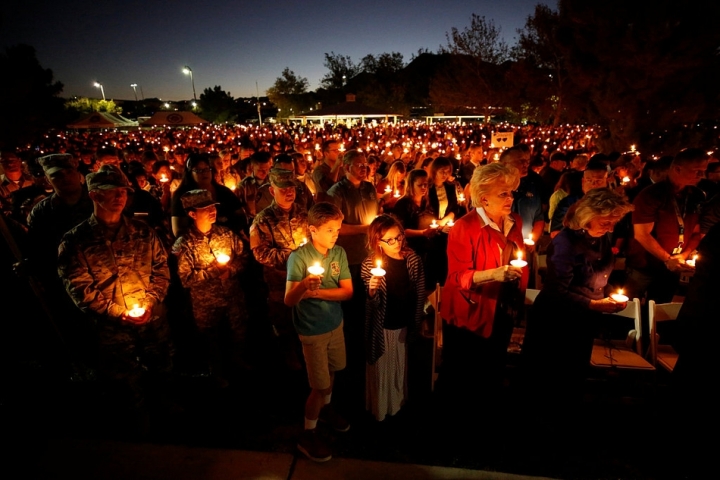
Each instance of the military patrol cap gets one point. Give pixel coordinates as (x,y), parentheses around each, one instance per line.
(282,178)
(107,178)
(197,199)
(57,161)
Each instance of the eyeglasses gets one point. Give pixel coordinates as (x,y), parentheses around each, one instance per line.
(393,241)
(200,171)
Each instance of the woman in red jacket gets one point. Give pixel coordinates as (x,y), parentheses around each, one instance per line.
(483,292)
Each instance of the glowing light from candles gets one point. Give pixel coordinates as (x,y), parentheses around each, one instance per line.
(434,224)
(692,261)
(222,258)
(316,269)
(378,271)
(388,189)
(164,178)
(461,197)
(304,241)
(136,312)
(626,179)
(397,194)
(518,262)
(529,240)
(619,297)
(450,223)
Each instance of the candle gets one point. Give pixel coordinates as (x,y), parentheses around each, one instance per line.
(434,224)
(619,297)
(626,179)
(378,271)
(692,261)
(222,258)
(304,241)
(397,194)
(519,262)
(388,189)
(136,312)
(164,178)
(450,223)
(461,197)
(316,269)
(529,240)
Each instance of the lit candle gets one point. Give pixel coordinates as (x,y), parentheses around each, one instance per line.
(316,269)
(619,297)
(519,262)
(304,241)
(378,271)
(434,224)
(388,189)
(450,223)
(529,240)
(461,197)
(397,194)
(136,312)
(626,179)
(692,261)
(222,258)
(164,178)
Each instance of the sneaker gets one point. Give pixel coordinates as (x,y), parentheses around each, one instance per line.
(331,417)
(314,447)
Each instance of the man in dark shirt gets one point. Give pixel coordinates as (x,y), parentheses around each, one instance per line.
(528,196)
(665,229)
(328,171)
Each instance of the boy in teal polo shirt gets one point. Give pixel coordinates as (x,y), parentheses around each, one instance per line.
(318,318)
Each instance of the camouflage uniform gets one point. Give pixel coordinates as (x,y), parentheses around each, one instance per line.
(249,193)
(274,234)
(303,197)
(109,270)
(212,298)
(105,279)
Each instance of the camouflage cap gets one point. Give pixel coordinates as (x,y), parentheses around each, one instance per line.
(282,178)
(57,161)
(197,199)
(107,178)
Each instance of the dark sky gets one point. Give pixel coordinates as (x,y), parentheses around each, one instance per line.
(233,44)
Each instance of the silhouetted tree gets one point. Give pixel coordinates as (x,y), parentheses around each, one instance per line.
(341,69)
(29,97)
(216,105)
(289,94)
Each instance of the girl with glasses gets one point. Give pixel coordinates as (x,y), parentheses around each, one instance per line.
(393,310)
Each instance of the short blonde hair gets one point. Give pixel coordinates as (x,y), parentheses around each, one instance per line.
(491,176)
(598,202)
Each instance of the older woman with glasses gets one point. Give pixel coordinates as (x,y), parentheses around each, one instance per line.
(482,293)
(569,308)
(395,285)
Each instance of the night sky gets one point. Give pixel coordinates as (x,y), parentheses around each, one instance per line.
(233,44)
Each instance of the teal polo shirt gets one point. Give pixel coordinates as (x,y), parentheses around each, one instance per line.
(313,316)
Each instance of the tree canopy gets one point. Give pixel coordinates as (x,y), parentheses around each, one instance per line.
(217,105)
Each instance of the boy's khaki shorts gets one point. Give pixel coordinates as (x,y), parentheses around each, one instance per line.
(323,354)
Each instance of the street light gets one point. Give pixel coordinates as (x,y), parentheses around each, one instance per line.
(102,90)
(134,87)
(188,71)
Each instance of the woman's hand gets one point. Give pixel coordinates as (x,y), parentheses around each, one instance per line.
(607,305)
(430,232)
(506,273)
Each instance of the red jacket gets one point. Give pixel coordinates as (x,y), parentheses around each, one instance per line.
(472,247)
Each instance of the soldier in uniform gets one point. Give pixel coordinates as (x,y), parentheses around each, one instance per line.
(302,193)
(209,258)
(276,232)
(249,186)
(115,270)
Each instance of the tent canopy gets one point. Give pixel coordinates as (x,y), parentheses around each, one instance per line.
(103,120)
(174,119)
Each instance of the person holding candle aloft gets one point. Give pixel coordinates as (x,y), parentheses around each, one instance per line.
(315,296)
(209,257)
(395,283)
(566,313)
(482,293)
(112,265)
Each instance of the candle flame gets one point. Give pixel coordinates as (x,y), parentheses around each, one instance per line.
(519,255)
(620,291)
(379,263)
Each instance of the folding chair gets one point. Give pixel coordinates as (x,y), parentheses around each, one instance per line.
(665,355)
(625,354)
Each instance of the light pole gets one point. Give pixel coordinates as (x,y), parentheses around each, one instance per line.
(188,71)
(102,90)
(134,87)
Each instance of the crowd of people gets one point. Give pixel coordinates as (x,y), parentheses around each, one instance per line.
(330,240)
